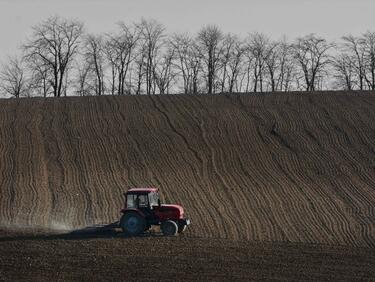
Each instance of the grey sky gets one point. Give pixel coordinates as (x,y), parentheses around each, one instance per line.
(329,18)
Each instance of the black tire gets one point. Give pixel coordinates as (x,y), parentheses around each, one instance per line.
(181,228)
(169,228)
(133,223)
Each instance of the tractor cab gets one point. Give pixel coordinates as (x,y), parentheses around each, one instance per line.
(142,198)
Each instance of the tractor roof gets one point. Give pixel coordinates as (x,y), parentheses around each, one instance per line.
(142,190)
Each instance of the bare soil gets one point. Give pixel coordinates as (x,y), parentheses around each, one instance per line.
(276,185)
(153,257)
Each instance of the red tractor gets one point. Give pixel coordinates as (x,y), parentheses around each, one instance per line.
(143,209)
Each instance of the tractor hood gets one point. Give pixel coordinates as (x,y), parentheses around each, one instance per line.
(168,211)
(173,207)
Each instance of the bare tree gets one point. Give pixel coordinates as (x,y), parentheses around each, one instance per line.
(235,64)
(182,48)
(152,34)
(286,64)
(311,54)
(272,62)
(344,71)
(248,73)
(13,81)
(120,52)
(187,61)
(356,53)
(54,44)
(111,55)
(210,48)
(41,77)
(228,47)
(82,82)
(230,62)
(139,58)
(94,57)
(139,68)
(368,43)
(279,65)
(164,73)
(258,48)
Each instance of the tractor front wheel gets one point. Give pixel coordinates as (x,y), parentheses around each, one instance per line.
(133,223)
(169,228)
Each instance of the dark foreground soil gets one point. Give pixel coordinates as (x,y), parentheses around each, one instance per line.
(42,257)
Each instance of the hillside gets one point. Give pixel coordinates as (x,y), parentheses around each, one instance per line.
(285,167)
(279,167)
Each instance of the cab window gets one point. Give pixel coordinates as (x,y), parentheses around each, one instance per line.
(131,201)
(154,197)
(143,201)
(134,201)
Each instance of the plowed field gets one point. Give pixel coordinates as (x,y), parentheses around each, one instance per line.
(293,173)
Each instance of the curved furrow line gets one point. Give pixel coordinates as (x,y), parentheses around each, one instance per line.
(364,158)
(242,193)
(174,129)
(276,178)
(345,224)
(76,173)
(114,138)
(323,202)
(236,198)
(350,197)
(25,192)
(314,225)
(72,154)
(113,162)
(261,168)
(122,163)
(109,183)
(346,157)
(44,195)
(7,146)
(45,129)
(214,171)
(229,212)
(270,163)
(33,168)
(214,186)
(288,162)
(211,197)
(332,213)
(311,221)
(13,153)
(256,191)
(53,143)
(359,213)
(64,212)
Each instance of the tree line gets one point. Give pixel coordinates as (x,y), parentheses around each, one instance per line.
(61,58)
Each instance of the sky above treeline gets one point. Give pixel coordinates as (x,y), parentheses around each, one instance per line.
(293,18)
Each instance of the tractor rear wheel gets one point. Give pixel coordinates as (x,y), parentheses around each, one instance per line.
(133,223)
(169,228)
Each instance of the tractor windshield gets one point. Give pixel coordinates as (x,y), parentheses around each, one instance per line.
(154,199)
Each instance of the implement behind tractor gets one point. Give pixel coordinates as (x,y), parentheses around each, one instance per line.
(143,210)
